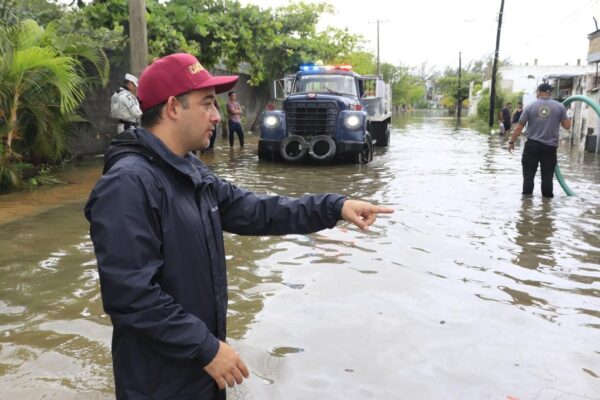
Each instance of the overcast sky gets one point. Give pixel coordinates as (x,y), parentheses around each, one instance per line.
(435,31)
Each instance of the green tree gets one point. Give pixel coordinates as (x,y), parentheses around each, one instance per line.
(451,90)
(266,42)
(42,82)
(362,61)
(483,107)
(408,87)
(41,11)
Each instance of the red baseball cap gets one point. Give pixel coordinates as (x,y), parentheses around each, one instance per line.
(174,75)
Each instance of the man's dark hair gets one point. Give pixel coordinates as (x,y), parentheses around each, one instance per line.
(545,88)
(230,93)
(151,116)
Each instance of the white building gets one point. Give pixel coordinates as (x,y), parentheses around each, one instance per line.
(565,79)
(526,78)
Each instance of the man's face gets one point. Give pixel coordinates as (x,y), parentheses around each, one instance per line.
(233,97)
(199,119)
(132,88)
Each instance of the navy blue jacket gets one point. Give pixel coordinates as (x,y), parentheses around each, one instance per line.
(157,228)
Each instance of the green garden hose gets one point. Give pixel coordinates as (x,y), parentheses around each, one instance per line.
(567,102)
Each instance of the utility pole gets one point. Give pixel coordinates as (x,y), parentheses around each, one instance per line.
(495,67)
(378,22)
(138,37)
(459,95)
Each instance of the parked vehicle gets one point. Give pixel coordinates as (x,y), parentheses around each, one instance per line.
(329,113)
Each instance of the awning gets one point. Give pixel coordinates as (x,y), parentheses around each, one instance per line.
(562,76)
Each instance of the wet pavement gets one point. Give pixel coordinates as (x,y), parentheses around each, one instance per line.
(466,291)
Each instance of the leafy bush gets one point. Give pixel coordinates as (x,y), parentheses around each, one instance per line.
(43,81)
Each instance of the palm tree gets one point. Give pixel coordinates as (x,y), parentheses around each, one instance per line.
(43,81)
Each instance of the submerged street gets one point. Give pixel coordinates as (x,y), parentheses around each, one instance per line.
(467,291)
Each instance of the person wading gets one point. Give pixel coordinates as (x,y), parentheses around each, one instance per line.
(234,121)
(543,118)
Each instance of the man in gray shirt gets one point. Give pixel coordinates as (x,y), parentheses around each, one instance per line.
(543,116)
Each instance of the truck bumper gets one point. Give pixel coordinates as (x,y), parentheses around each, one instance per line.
(347,148)
(269,149)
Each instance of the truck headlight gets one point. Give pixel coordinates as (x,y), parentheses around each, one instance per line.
(352,122)
(271,121)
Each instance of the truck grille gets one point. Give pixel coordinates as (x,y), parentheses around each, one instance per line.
(311,118)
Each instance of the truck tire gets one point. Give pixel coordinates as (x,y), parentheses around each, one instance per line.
(293,148)
(264,153)
(322,148)
(366,154)
(381,134)
(386,138)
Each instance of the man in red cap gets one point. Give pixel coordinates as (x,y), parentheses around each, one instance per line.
(157,218)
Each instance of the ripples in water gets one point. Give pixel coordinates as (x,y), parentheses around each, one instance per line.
(466,285)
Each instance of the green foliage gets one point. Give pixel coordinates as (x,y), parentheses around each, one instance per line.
(476,71)
(452,92)
(408,88)
(42,82)
(266,42)
(483,107)
(45,177)
(41,11)
(363,62)
(10,173)
(515,98)
(292,40)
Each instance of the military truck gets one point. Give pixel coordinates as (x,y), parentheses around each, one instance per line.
(328,113)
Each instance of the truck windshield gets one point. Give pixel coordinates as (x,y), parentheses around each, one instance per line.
(339,84)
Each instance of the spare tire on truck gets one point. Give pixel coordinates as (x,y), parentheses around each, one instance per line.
(322,148)
(293,148)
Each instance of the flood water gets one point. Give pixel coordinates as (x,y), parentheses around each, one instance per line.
(467,291)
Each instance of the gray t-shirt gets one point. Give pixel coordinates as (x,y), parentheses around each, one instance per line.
(544,117)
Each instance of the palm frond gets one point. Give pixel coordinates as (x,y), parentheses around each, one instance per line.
(79,47)
(43,80)
(28,34)
(37,67)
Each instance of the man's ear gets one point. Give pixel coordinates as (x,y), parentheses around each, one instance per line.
(172,108)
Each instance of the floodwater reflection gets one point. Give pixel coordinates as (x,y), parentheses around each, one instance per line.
(535,229)
(466,291)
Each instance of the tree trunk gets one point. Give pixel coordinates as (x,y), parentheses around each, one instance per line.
(12,133)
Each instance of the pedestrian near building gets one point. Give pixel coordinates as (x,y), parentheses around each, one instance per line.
(505,115)
(157,218)
(124,105)
(234,120)
(543,118)
(517,114)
